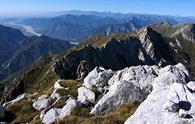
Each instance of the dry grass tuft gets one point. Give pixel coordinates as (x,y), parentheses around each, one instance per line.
(23,111)
(82,116)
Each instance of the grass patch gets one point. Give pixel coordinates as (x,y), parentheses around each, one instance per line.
(62,92)
(82,116)
(72,85)
(60,104)
(37,121)
(36,81)
(23,112)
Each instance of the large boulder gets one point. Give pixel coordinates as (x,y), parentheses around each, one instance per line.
(51,116)
(55,114)
(67,109)
(42,102)
(2,112)
(86,96)
(118,94)
(172,99)
(128,85)
(143,75)
(98,78)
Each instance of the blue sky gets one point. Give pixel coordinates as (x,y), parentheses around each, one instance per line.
(36,7)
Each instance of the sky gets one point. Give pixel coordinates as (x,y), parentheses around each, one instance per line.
(40,7)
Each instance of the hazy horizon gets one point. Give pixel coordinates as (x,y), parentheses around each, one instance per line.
(30,8)
(58,13)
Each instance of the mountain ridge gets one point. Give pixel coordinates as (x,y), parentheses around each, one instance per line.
(9,41)
(21,51)
(29,52)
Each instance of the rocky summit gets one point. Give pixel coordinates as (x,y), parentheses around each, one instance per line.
(128,85)
(166,94)
(171,100)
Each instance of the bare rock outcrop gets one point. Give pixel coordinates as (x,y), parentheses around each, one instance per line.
(127,85)
(172,99)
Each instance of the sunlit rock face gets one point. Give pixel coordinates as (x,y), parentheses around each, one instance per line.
(127,85)
(172,99)
(86,96)
(98,78)
(55,114)
(186,30)
(42,102)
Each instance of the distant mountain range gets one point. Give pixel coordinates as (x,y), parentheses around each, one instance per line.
(77,26)
(125,15)
(70,27)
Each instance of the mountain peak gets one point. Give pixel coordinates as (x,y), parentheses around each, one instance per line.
(148,29)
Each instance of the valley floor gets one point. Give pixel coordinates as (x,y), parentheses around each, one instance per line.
(27,29)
